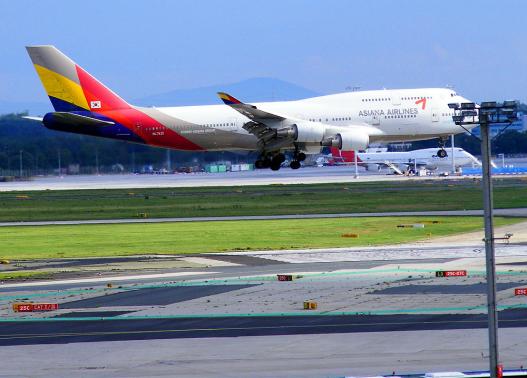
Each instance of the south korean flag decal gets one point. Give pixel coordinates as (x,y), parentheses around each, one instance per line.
(95,104)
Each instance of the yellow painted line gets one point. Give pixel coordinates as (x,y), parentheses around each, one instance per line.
(73,334)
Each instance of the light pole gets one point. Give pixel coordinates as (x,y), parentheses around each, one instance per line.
(97,161)
(487,113)
(502,160)
(356,163)
(20,162)
(60,163)
(452,153)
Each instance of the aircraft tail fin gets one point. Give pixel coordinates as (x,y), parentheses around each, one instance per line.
(344,156)
(69,87)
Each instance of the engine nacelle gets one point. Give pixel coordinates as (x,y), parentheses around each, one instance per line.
(352,140)
(308,132)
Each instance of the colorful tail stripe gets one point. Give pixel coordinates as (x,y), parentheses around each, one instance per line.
(228,99)
(344,156)
(69,87)
(72,89)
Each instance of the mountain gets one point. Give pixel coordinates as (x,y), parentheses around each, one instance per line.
(250,90)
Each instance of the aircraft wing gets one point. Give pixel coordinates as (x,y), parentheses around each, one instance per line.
(275,131)
(248,110)
(264,125)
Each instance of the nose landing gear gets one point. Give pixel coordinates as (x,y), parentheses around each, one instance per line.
(441,153)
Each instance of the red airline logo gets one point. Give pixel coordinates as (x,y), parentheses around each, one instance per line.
(422,102)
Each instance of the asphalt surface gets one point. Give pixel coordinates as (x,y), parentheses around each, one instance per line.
(515,212)
(265,266)
(153,296)
(115,329)
(480,288)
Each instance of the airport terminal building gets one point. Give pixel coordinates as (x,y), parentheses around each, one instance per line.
(520,125)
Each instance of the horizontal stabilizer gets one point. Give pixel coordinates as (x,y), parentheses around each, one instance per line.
(39,119)
(80,119)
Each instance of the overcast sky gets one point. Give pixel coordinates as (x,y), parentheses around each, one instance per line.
(139,48)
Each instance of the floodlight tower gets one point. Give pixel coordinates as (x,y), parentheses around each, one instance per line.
(487,113)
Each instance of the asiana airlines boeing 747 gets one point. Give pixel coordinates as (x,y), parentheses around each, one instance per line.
(347,121)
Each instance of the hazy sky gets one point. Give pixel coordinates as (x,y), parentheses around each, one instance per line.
(139,48)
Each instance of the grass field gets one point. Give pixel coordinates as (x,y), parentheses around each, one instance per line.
(258,200)
(192,237)
(19,275)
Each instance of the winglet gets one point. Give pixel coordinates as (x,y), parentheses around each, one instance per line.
(228,99)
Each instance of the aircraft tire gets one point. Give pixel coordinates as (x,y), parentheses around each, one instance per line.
(275,166)
(295,164)
(442,153)
(301,156)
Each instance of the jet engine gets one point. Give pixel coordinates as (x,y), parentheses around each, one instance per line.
(308,132)
(353,140)
(348,140)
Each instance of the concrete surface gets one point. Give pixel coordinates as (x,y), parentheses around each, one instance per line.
(514,212)
(309,356)
(306,175)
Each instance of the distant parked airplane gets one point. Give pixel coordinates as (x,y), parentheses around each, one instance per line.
(347,121)
(423,158)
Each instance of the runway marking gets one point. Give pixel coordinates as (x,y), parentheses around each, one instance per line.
(108,333)
(104,279)
(270,314)
(230,280)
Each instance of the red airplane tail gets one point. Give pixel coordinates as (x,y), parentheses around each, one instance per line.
(69,87)
(343,156)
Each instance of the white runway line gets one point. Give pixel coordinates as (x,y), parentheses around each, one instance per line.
(104,279)
(382,253)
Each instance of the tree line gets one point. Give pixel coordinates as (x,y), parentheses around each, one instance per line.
(42,149)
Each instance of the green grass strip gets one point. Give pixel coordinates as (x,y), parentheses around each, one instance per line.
(180,238)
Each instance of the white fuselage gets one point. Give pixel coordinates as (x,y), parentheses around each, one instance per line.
(387,115)
(422,158)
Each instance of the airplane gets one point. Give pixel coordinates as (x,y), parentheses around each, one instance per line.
(402,161)
(347,121)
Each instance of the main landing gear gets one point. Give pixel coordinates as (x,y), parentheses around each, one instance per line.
(297,158)
(275,161)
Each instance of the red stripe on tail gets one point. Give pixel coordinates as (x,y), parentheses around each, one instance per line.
(98,96)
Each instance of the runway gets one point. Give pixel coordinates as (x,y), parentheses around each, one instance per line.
(62,331)
(306,175)
(380,309)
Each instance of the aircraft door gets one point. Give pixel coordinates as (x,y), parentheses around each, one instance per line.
(435,115)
